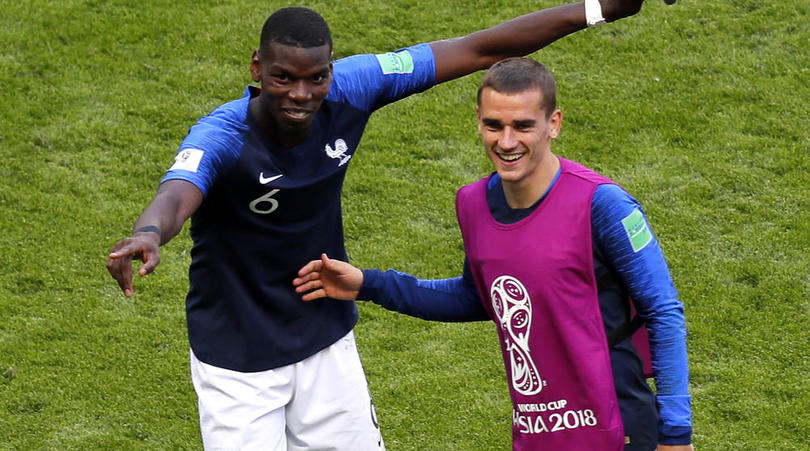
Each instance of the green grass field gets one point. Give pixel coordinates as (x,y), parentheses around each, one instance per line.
(701,110)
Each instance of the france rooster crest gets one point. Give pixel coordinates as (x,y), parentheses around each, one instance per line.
(338,152)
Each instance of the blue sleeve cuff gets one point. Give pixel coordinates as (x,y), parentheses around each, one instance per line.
(368,290)
(675,435)
(675,423)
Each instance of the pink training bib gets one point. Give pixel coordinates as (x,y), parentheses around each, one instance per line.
(536,279)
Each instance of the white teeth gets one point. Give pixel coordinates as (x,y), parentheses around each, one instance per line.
(297,114)
(511,157)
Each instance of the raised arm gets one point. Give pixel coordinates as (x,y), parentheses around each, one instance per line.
(518,37)
(174,203)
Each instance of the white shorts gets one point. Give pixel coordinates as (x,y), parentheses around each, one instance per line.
(320,403)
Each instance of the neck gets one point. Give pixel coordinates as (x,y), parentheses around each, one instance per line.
(526,192)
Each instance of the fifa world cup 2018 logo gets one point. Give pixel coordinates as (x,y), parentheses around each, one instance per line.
(513,307)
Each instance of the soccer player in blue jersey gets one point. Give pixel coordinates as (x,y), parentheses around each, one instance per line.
(550,246)
(260,177)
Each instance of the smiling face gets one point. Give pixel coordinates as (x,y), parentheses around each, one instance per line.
(294,82)
(517,134)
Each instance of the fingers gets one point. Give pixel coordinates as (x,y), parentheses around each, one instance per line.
(311,285)
(120,269)
(150,262)
(313,266)
(311,296)
(126,247)
(303,285)
(119,261)
(119,264)
(298,282)
(125,282)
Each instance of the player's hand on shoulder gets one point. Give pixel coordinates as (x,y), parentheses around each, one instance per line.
(143,246)
(328,278)
(619,9)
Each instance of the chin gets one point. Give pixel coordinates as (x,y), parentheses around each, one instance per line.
(509,174)
(296,128)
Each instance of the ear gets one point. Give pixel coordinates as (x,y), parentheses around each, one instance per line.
(478,116)
(555,124)
(256,66)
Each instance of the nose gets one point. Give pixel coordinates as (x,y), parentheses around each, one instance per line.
(508,139)
(300,91)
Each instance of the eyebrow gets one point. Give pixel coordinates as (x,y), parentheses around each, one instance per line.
(281,70)
(524,123)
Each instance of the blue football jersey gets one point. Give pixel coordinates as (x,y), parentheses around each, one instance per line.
(269,210)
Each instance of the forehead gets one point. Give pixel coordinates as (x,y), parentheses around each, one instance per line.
(512,106)
(297,59)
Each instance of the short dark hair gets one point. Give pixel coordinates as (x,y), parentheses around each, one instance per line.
(296,26)
(516,75)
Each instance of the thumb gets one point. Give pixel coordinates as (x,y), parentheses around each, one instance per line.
(328,263)
(337,267)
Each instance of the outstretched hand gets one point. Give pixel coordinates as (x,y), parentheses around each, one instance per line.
(328,278)
(619,9)
(142,246)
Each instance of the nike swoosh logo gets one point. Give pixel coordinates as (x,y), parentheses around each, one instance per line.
(265,181)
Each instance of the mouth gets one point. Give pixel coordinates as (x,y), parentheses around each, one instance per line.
(509,157)
(297,114)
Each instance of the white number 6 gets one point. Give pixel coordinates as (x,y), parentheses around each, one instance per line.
(266,198)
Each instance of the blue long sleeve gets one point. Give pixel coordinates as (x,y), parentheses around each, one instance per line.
(449,300)
(626,241)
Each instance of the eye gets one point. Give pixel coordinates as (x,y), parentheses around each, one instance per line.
(280,77)
(492,126)
(319,78)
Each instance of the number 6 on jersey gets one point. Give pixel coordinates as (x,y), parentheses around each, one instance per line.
(267,198)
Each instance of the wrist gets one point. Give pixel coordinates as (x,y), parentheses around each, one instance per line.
(593,13)
(149,229)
